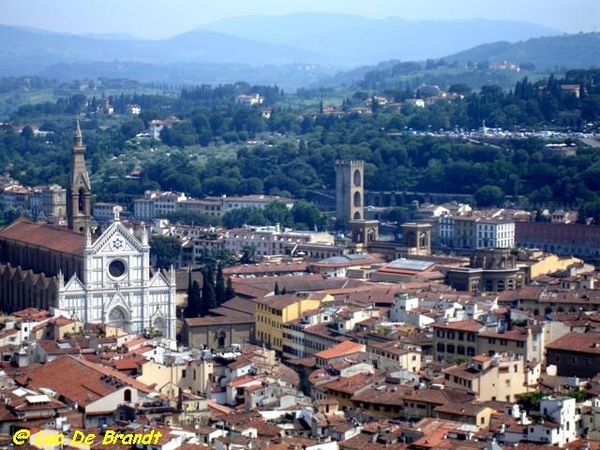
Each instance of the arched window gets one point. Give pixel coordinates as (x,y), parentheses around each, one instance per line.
(160,326)
(127,395)
(222,335)
(356,216)
(357,178)
(357,200)
(80,200)
(117,317)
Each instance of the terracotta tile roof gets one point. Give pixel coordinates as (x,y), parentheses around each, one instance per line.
(461,409)
(340,350)
(279,302)
(385,394)
(266,268)
(259,287)
(240,305)
(460,325)
(127,363)
(240,362)
(510,335)
(352,384)
(32,314)
(244,379)
(45,236)
(577,342)
(438,396)
(220,320)
(76,379)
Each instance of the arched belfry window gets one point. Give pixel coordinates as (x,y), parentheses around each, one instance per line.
(357,200)
(357,178)
(80,200)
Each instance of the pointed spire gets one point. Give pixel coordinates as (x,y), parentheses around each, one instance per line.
(61,280)
(88,237)
(78,138)
(144,234)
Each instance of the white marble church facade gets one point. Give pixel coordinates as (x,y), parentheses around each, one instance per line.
(119,287)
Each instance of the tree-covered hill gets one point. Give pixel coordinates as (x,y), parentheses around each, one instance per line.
(546,53)
(215,146)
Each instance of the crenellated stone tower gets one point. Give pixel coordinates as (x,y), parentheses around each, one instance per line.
(349,191)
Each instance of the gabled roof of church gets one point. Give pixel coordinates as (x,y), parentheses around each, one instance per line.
(45,236)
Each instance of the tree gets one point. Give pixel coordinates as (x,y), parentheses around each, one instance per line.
(489,196)
(209,298)
(220,286)
(27,132)
(306,216)
(229,292)
(194,306)
(165,251)
(276,289)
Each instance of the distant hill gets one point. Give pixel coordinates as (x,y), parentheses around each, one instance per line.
(554,53)
(199,56)
(292,51)
(354,40)
(567,51)
(196,46)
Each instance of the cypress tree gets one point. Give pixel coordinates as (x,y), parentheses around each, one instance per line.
(220,286)
(209,298)
(229,292)
(194,308)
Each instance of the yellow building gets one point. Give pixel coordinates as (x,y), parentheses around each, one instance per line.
(455,339)
(489,378)
(549,263)
(272,312)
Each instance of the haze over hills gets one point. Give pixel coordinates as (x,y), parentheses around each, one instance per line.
(292,50)
(353,40)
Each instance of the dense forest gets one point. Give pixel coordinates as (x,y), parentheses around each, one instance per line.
(219,147)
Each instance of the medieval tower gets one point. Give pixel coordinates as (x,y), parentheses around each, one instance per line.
(349,191)
(79,189)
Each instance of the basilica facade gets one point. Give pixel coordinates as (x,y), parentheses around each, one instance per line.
(104,279)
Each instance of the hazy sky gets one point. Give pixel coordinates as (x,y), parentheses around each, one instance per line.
(165,18)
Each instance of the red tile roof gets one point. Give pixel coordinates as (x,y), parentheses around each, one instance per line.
(577,342)
(77,379)
(340,350)
(45,236)
(461,325)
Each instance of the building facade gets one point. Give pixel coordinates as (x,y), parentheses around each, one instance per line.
(108,279)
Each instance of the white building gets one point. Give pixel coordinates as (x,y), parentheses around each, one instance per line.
(157,204)
(560,424)
(118,286)
(253,201)
(271,241)
(495,233)
(404,310)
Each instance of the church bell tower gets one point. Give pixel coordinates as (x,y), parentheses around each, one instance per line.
(79,189)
